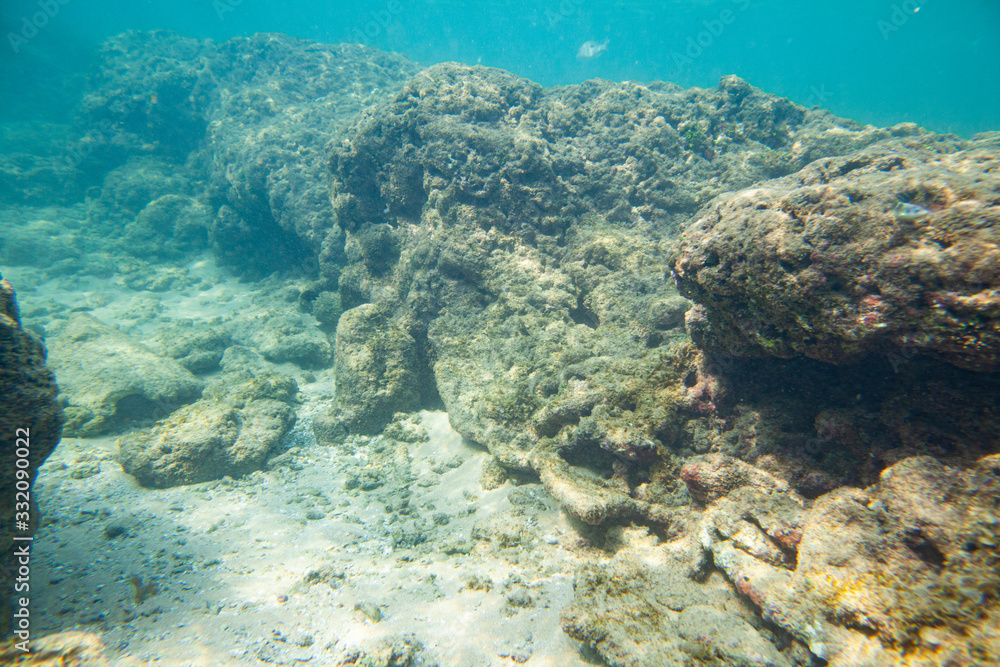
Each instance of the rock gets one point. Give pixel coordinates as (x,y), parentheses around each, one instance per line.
(831,264)
(209,439)
(269,144)
(31,424)
(288,339)
(518,236)
(642,608)
(390,651)
(197,348)
(505,530)
(377,369)
(729,637)
(80,649)
(861,573)
(327,309)
(169,227)
(110,380)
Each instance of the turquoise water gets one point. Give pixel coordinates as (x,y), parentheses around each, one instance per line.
(935,63)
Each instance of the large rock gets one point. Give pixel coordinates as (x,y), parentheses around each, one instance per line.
(228,433)
(110,380)
(518,236)
(894,248)
(31,420)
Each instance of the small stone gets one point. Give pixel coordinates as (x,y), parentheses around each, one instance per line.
(370,610)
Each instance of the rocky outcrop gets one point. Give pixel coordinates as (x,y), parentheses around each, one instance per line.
(891,249)
(517,235)
(30,427)
(110,380)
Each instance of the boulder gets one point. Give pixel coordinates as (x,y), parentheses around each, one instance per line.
(230,432)
(31,423)
(894,248)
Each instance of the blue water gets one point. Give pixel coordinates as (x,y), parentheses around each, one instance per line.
(935,63)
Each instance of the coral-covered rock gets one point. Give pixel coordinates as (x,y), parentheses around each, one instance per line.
(377,369)
(910,562)
(230,433)
(519,233)
(30,427)
(893,248)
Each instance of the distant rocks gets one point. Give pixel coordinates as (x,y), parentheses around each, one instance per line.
(268,144)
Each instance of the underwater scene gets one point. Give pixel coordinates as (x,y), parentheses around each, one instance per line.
(564,333)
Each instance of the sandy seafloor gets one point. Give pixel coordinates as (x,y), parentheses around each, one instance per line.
(286,565)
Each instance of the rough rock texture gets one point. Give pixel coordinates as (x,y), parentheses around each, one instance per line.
(517,235)
(287,338)
(28,390)
(111,380)
(902,573)
(377,373)
(281,103)
(643,608)
(230,432)
(830,262)
(74,647)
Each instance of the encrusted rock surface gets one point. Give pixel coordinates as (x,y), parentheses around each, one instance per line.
(642,607)
(377,370)
(30,419)
(902,573)
(110,379)
(518,236)
(832,264)
(230,432)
